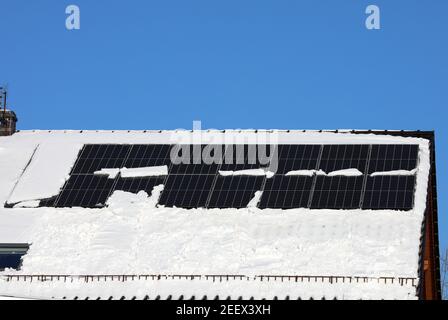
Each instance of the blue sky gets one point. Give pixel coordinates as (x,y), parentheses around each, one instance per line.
(232,64)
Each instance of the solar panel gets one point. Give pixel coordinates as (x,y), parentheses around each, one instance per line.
(286,192)
(186,190)
(85,190)
(234,191)
(389,192)
(297,157)
(338,192)
(244,157)
(393,157)
(340,157)
(96,157)
(198,160)
(149,155)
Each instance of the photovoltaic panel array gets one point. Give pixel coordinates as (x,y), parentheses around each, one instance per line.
(201,176)
(236,191)
(84,188)
(391,192)
(286,192)
(340,192)
(191,176)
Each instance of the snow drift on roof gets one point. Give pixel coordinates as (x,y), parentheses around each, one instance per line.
(346,172)
(308,173)
(134,236)
(156,171)
(395,173)
(248,172)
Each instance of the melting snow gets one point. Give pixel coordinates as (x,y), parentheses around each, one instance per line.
(255,200)
(134,172)
(248,172)
(28,204)
(346,172)
(308,173)
(144,172)
(395,173)
(111,173)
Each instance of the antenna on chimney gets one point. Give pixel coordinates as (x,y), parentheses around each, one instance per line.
(3,95)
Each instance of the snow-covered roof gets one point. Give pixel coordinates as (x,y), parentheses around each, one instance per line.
(134,236)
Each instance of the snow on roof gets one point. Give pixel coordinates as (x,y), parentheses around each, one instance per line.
(133,236)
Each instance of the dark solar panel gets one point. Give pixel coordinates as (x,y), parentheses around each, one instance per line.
(297,157)
(286,192)
(393,157)
(199,159)
(234,191)
(150,155)
(85,190)
(96,157)
(340,157)
(389,192)
(338,192)
(186,191)
(243,157)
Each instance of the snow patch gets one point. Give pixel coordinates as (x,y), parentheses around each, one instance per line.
(47,172)
(255,200)
(308,173)
(134,172)
(395,173)
(248,172)
(121,201)
(110,173)
(28,204)
(144,172)
(346,173)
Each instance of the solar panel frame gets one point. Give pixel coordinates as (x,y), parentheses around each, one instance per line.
(282,192)
(234,191)
(393,157)
(297,157)
(186,191)
(339,192)
(389,192)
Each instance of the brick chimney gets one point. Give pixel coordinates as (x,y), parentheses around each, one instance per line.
(8,118)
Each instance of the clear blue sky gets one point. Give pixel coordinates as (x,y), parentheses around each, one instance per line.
(232,64)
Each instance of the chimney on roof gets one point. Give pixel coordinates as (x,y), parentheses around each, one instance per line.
(8,118)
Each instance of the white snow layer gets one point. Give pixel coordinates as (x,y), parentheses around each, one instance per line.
(144,172)
(248,172)
(346,172)
(308,173)
(111,173)
(133,236)
(48,169)
(134,172)
(395,173)
(253,203)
